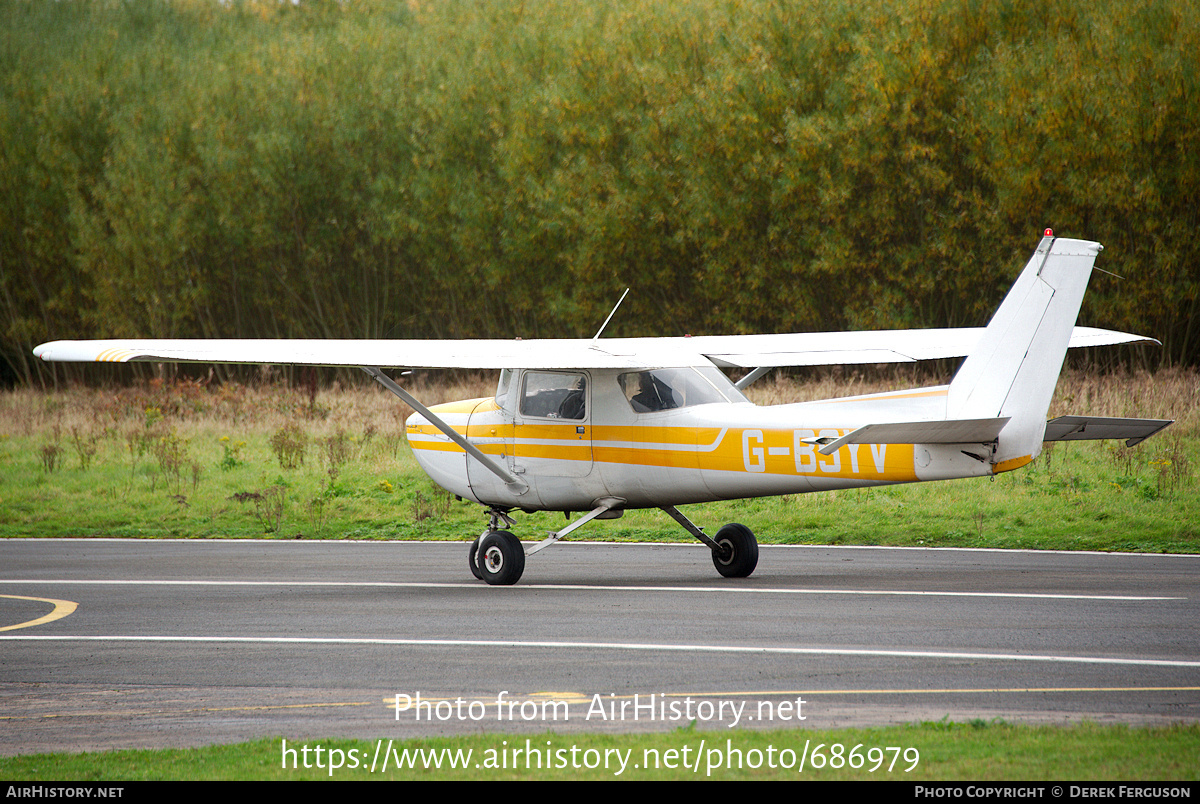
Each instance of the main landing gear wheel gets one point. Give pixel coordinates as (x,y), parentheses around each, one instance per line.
(501,558)
(739,551)
(472,559)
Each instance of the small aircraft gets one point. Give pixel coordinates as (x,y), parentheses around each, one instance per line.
(601,426)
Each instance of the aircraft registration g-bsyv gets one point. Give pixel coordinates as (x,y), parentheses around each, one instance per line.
(603,425)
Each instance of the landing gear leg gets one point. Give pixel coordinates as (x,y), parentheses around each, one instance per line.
(734,551)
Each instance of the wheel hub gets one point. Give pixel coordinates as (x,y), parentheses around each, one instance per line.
(494,560)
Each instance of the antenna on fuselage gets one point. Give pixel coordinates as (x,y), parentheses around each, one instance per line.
(596,337)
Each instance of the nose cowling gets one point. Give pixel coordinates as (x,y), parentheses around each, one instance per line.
(438,456)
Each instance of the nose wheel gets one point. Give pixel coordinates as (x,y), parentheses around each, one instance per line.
(472,559)
(497,558)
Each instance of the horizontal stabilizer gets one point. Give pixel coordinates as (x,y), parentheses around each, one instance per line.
(1088,428)
(946,431)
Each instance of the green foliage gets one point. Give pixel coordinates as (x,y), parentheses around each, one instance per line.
(173,454)
(232,453)
(1074,497)
(365,169)
(336,451)
(269,504)
(85,444)
(50,453)
(289,444)
(974,751)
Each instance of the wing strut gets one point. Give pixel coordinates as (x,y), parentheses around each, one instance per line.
(753,377)
(514,483)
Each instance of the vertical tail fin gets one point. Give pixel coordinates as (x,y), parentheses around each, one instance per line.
(1014,367)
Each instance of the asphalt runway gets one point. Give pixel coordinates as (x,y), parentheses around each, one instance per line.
(122,643)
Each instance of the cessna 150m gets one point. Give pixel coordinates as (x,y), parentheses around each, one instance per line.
(604,425)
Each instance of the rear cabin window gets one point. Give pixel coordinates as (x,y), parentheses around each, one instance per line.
(668,389)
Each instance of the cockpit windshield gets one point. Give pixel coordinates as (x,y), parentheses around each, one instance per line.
(668,389)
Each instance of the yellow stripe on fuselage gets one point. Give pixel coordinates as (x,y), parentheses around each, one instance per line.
(748,450)
(645,456)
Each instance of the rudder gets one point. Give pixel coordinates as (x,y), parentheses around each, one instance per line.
(1013,370)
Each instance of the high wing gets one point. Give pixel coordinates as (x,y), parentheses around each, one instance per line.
(741,351)
(863,347)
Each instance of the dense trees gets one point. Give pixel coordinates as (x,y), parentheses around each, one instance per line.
(443,168)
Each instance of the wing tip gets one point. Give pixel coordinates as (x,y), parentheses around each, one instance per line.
(82,352)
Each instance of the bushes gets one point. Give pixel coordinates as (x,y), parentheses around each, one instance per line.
(456,169)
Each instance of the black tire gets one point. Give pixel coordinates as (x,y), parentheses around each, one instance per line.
(471,559)
(740,554)
(501,558)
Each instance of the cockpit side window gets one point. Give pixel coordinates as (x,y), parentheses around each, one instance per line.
(554,395)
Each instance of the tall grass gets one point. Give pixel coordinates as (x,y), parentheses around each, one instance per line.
(189,459)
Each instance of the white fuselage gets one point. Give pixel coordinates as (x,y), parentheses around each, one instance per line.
(689,454)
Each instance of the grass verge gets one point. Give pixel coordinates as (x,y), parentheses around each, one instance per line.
(181,460)
(978,751)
